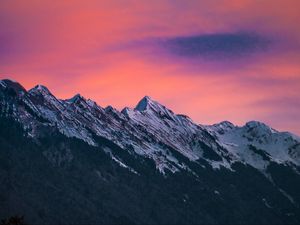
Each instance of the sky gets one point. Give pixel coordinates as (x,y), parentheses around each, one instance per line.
(211,60)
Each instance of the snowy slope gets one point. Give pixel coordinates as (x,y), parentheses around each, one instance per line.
(150,130)
(257,144)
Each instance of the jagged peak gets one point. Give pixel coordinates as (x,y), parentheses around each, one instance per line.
(147,103)
(127,111)
(259,125)
(124,110)
(109,108)
(222,127)
(17,87)
(91,103)
(77,97)
(41,95)
(144,103)
(40,89)
(150,107)
(225,123)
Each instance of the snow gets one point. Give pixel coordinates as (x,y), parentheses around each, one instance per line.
(287,196)
(263,139)
(216,192)
(127,112)
(153,131)
(91,103)
(143,104)
(2,83)
(42,88)
(75,98)
(261,126)
(266,203)
(108,150)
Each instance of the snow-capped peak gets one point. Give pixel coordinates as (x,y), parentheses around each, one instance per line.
(151,106)
(221,127)
(110,109)
(150,125)
(259,126)
(126,111)
(91,103)
(75,98)
(148,104)
(225,125)
(144,103)
(40,89)
(78,101)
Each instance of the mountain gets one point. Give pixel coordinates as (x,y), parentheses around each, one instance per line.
(73,162)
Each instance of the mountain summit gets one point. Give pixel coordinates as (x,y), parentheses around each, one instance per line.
(83,149)
(144,103)
(150,123)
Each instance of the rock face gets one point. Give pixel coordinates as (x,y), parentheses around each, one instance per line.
(72,161)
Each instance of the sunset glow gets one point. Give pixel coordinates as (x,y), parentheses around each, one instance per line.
(214,60)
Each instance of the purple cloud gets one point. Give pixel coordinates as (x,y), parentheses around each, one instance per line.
(216,46)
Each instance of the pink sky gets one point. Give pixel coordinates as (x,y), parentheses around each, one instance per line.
(214,60)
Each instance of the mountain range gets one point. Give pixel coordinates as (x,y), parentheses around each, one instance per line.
(74,162)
